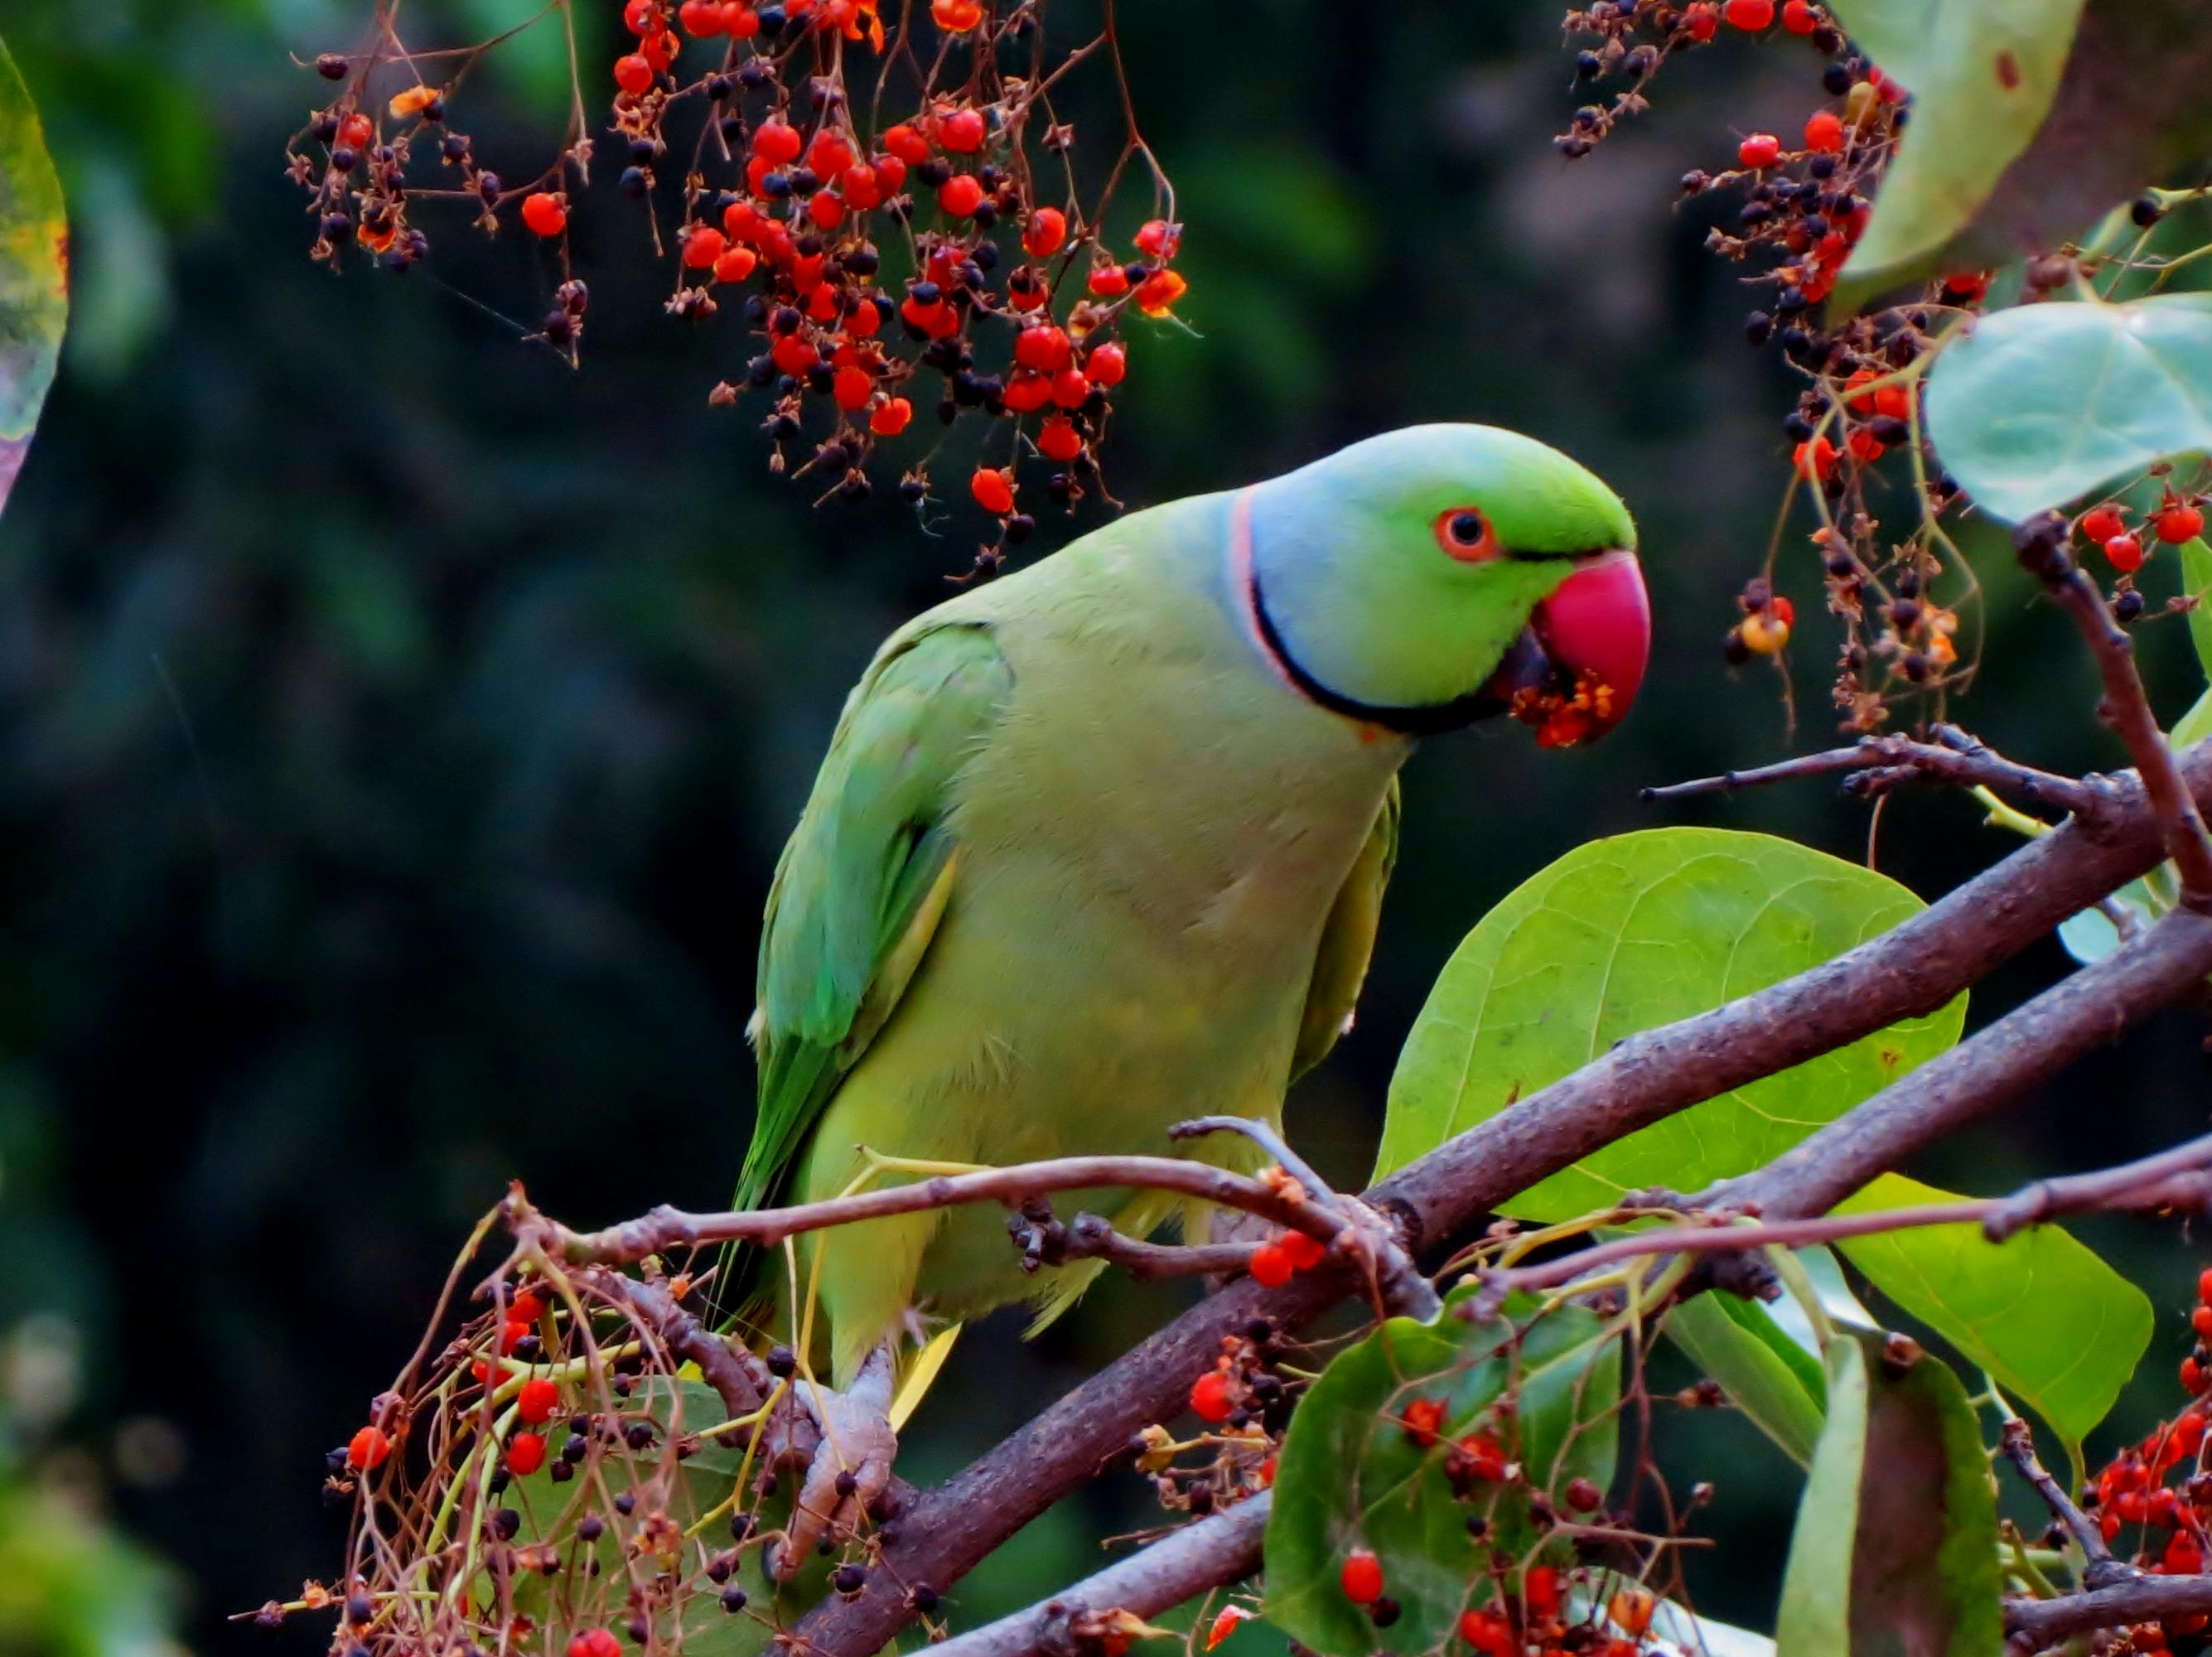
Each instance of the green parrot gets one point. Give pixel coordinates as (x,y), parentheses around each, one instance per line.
(1101,845)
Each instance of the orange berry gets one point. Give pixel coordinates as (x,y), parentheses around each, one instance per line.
(890,417)
(701,18)
(852,387)
(1043,347)
(2101,524)
(1702,19)
(367,1449)
(1108,282)
(793,355)
(955,16)
(1047,231)
(1106,365)
(1305,1252)
(1027,391)
(1157,293)
(641,17)
(543,212)
(1212,1398)
(1361,1579)
(1422,1417)
(1271,1268)
(740,20)
(702,246)
(526,1454)
(1799,17)
(525,1308)
(994,492)
(356,130)
(1059,440)
(2178,524)
(735,264)
(1158,239)
(1765,634)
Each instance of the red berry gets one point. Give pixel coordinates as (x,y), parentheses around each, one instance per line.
(960,195)
(525,1308)
(1702,18)
(659,50)
(2101,524)
(1799,17)
(2183,1556)
(962,132)
(641,17)
(536,1401)
(1760,149)
(526,1454)
(907,143)
(701,18)
(2180,524)
(1485,1458)
(736,265)
(994,492)
(1423,1416)
(1749,15)
(1815,459)
(1157,293)
(367,1449)
(702,247)
(740,20)
(1361,1579)
(793,356)
(1864,447)
(1212,1398)
(1159,239)
(1047,231)
(595,1642)
(955,16)
(1059,440)
(2193,1379)
(512,1335)
(891,418)
(1967,288)
(852,388)
(1106,364)
(1027,391)
(1271,1268)
(776,142)
(543,212)
(829,156)
(1070,389)
(1488,1633)
(2126,554)
(1895,401)
(1540,1592)
(864,322)
(1305,1252)
(2204,1285)
(1109,281)
(356,130)
(826,208)
(1044,349)
(891,174)
(1824,131)
(634,75)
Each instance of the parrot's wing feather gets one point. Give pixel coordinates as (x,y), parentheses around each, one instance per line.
(864,881)
(1348,941)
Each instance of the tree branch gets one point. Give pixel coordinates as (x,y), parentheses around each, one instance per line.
(2033,1624)
(1878,764)
(1911,971)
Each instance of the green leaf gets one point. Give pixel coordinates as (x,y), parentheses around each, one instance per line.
(1983,74)
(2195,724)
(1626,933)
(2040,404)
(1895,1547)
(1352,1476)
(2089,935)
(1765,1375)
(2060,1330)
(2196,582)
(33,272)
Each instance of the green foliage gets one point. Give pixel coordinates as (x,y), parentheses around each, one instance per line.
(1626,933)
(2196,582)
(1895,1548)
(33,271)
(1352,1476)
(2057,1327)
(72,1587)
(1774,1381)
(2040,404)
(1983,74)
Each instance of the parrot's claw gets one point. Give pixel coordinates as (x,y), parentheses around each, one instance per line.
(851,1463)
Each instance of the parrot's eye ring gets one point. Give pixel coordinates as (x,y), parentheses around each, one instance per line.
(1465,534)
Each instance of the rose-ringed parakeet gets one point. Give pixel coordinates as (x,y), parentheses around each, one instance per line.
(1101,845)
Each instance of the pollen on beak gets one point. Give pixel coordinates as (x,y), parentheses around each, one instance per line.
(1575,670)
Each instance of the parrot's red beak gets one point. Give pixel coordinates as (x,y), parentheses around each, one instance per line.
(1595,637)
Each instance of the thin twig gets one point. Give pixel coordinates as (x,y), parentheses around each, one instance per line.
(1879,763)
(1093,1237)
(2101,1570)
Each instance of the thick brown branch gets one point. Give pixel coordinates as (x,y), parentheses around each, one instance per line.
(742,1380)
(2035,1624)
(1906,973)
(1181,1566)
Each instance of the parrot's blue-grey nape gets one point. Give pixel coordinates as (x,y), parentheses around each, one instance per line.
(1102,845)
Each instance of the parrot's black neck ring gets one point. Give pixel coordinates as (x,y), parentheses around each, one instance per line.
(1404,719)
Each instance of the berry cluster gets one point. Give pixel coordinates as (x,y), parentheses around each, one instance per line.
(881,266)
(2176,520)
(2159,1492)
(550,1482)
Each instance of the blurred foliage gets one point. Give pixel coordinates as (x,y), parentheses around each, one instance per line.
(396,730)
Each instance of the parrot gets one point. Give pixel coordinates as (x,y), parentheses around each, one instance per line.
(1101,845)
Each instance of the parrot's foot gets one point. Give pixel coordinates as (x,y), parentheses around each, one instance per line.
(851,1463)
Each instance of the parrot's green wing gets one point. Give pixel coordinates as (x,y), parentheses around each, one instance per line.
(1348,941)
(862,885)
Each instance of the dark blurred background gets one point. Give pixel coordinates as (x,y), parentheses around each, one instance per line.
(397,728)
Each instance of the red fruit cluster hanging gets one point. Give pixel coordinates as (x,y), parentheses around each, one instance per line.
(931,261)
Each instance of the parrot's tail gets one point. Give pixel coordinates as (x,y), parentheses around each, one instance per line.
(921,1373)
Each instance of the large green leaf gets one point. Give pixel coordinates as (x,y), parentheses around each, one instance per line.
(2196,582)
(33,271)
(1983,74)
(1352,1476)
(2042,404)
(1895,1548)
(2058,1328)
(1626,933)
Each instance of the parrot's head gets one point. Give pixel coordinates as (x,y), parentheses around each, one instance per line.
(1429,577)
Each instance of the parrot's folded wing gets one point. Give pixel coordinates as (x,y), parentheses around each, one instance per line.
(1348,941)
(862,885)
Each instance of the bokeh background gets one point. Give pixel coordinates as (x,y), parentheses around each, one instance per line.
(397,728)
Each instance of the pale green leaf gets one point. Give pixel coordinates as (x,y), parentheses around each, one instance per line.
(2040,404)
(1624,934)
(1983,74)
(1764,1373)
(1895,1546)
(2090,935)
(33,271)
(2196,582)
(2195,724)
(2059,1329)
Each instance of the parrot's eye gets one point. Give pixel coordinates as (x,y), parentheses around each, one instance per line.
(1466,534)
